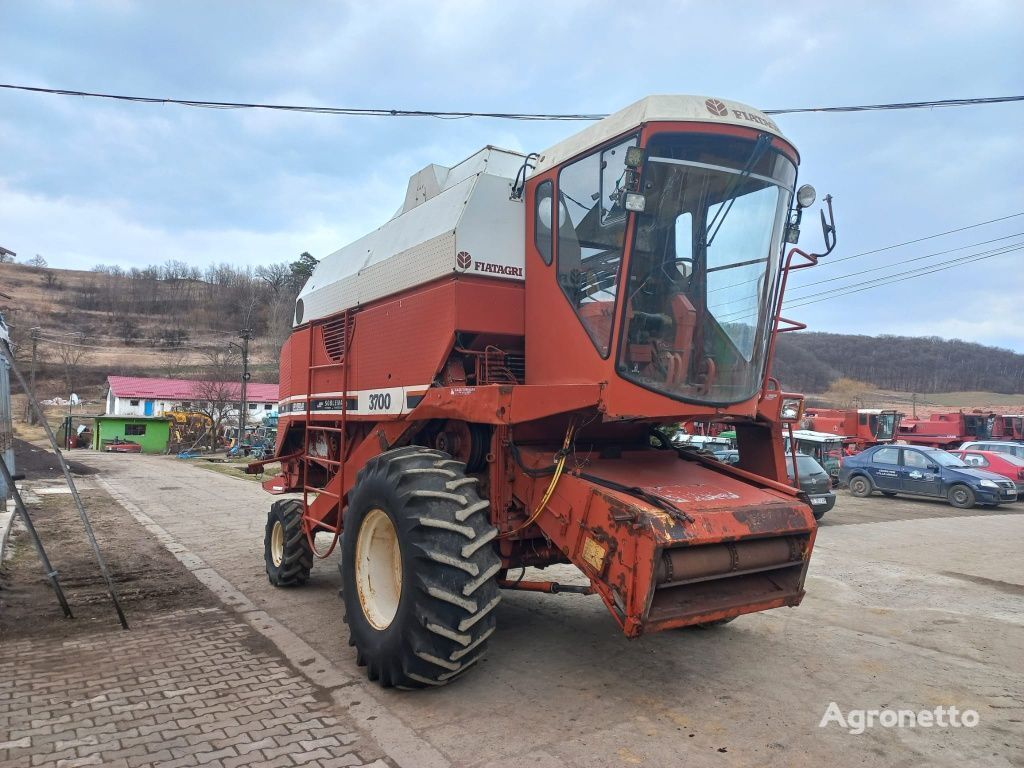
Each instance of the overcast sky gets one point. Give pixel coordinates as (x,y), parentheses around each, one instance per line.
(84,182)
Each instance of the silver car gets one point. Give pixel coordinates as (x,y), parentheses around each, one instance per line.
(1015,449)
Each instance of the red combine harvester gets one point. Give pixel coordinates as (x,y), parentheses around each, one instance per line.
(477,387)
(1008,427)
(947,430)
(861,428)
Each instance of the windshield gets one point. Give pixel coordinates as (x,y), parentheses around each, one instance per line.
(979,426)
(944,459)
(703,267)
(883,425)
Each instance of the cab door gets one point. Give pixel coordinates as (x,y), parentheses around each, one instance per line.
(919,474)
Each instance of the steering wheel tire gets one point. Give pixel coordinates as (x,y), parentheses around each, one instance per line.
(961,497)
(860,486)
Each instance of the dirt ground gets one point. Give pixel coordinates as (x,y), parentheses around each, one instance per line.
(148,579)
(35,463)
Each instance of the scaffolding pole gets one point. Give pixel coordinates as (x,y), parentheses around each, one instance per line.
(34,405)
(49,570)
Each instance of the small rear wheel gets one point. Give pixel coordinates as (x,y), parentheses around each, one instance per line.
(961,497)
(285,548)
(860,486)
(418,570)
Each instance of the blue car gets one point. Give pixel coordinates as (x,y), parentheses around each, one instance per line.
(920,471)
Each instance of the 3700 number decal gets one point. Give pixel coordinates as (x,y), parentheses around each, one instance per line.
(380,401)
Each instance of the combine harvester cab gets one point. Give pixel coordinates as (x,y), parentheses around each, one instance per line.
(860,428)
(479,386)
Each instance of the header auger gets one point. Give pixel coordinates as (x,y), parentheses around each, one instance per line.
(478,385)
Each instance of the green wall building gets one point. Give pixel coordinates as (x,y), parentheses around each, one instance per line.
(152,433)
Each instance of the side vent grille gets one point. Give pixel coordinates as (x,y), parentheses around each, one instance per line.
(334,336)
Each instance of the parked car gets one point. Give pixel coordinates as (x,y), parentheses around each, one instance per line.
(1006,464)
(924,471)
(117,445)
(1015,449)
(814,480)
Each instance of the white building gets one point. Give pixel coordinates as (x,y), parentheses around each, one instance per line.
(137,396)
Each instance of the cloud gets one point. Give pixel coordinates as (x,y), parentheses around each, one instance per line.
(79,234)
(85,181)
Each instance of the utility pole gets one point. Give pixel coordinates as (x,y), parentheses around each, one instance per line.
(913,403)
(30,415)
(245,335)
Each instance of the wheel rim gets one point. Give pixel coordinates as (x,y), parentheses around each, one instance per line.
(277,544)
(378,569)
(858,486)
(959,496)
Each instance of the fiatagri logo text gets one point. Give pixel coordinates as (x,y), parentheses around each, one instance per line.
(464,261)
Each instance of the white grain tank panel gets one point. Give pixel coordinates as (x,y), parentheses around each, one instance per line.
(489,160)
(421,264)
(338,281)
(491,233)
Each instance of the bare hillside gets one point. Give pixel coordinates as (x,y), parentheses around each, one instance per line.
(173,320)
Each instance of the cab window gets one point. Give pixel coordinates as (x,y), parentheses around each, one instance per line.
(915,460)
(886,456)
(543,218)
(591,234)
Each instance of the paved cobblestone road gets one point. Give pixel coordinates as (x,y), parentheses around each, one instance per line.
(190,688)
(914,607)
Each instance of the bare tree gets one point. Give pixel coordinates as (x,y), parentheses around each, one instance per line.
(72,353)
(173,363)
(128,330)
(36,261)
(218,393)
(277,276)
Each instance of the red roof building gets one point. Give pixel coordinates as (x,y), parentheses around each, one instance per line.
(140,396)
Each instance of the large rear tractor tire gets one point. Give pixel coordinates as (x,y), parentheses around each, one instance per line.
(285,548)
(418,570)
(961,497)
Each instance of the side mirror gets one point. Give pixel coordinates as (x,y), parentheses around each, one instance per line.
(933,467)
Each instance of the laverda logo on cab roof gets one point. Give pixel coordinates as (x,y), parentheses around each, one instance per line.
(718,109)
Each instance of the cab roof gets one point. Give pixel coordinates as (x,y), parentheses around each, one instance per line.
(692,109)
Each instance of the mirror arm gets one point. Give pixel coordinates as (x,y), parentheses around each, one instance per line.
(828,228)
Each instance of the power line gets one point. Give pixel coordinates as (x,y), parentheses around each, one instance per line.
(958,263)
(906,261)
(921,239)
(884,280)
(829,261)
(455,115)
